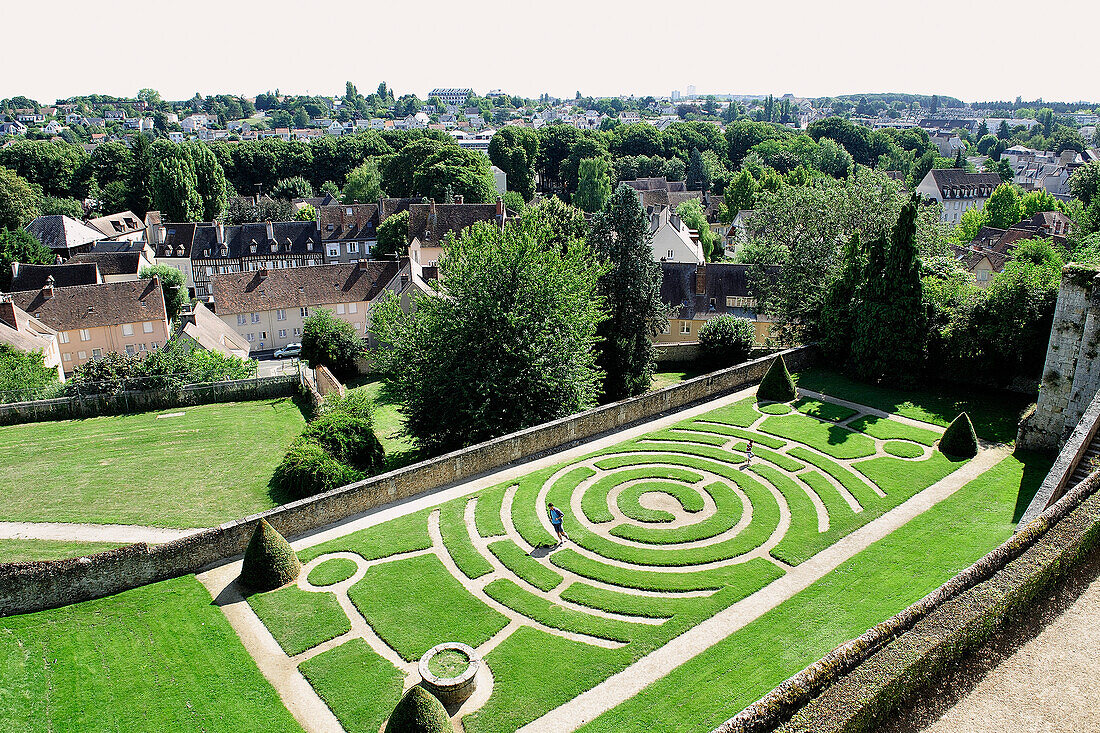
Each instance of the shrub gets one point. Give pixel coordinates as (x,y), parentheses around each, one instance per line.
(348,438)
(24,375)
(308,469)
(960,439)
(726,340)
(269,562)
(357,403)
(419,712)
(777,385)
(331,341)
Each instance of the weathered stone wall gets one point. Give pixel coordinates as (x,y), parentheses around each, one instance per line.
(69,408)
(32,586)
(1071,374)
(327,383)
(685,352)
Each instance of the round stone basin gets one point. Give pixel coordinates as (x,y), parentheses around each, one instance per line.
(449,671)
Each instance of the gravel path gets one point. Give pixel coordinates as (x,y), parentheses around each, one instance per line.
(73,532)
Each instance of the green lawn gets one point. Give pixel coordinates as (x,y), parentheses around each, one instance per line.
(14,550)
(996,414)
(869,588)
(668,375)
(359,686)
(185,467)
(400,450)
(300,619)
(160,658)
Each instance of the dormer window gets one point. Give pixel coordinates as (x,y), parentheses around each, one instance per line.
(252,248)
(274,247)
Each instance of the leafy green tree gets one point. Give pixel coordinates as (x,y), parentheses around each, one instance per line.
(18,200)
(393,236)
(19,245)
(174,187)
(50,205)
(308,212)
(740,196)
(594,186)
(364,183)
(563,223)
(515,151)
(1084,184)
(726,340)
(1004,207)
(295,187)
(209,180)
(833,159)
(632,289)
(971,223)
(691,212)
(478,360)
(514,202)
(24,375)
(888,335)
(174,286)
(60,169)
(332,342)
(1037,201)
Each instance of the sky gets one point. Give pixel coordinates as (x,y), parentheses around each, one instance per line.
(597,47)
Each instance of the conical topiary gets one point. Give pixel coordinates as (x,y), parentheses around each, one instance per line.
(419,712)
(960,439)
(777,385)
(269,562)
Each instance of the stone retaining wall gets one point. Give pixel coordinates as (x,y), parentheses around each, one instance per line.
(71,408)
(685,352)
(32,586)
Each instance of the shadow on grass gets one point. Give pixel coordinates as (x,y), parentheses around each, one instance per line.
(1036,467)
(995,413)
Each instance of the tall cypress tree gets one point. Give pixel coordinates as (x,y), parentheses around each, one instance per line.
(888,335)
(632,292)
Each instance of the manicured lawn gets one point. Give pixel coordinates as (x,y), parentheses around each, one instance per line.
(186,467)
(15,550)
(156,659)
(359,686)
(996,414)
(328,572)
(869,588)
(666,376)
(300,619)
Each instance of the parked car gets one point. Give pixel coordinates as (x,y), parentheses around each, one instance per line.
(289,350)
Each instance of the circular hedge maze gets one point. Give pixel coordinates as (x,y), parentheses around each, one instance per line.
(664,531)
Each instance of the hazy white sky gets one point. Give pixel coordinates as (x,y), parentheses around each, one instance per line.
(971,50)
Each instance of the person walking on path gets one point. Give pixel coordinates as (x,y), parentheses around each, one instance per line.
(556,519)
(748,452)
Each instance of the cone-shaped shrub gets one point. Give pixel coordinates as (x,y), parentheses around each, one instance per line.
(960,439)
(419,712)
(777,385)
(269,561)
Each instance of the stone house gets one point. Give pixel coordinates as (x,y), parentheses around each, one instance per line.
(697,293)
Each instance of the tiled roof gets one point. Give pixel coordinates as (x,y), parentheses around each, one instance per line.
(27,333)
(117,245)
(111,263)
(293,237)
(448,218)
(58,231)
(211,332)
(263,290)
(117,225)
(389,207)
(722,280)
(958,178)
(91,306)
(337,225)
(178,240)
(33,277)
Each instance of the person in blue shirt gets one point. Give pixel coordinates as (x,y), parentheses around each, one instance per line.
(556,519)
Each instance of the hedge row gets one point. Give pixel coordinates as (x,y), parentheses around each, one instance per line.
(1029,576)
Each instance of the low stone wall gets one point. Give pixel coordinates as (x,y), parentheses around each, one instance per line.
(685,352)
(31,586)
(72,408)
(327,383)
(855,685)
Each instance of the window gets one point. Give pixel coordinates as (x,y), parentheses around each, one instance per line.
(353,247)
(147,327)
(352,307)
(97,353)
(67,356)
(255,317)
(85,336)
(127,329)
(304,311)
(339,309)
(154,344)
(130,349)
(141,347)
(685,326)
(350,211)
(241,319)
(263,334)
(666,327)
(297,332)
(63,336)
(333,250)
(669,255)
(210,272)
(280,314)
(83,354)
(282,333)
(250,337)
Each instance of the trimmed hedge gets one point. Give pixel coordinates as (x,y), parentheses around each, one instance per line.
(269,560)
(726,340)
(349,439)
(960,439)
(419,712)
(308,469)
(777,385)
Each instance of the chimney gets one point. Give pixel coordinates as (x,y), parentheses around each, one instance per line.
(7,311)
(219,228)
(701,280)
(57,260)
(500,209)
(262,273)
(47,290)
(431,215)
(270,231)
